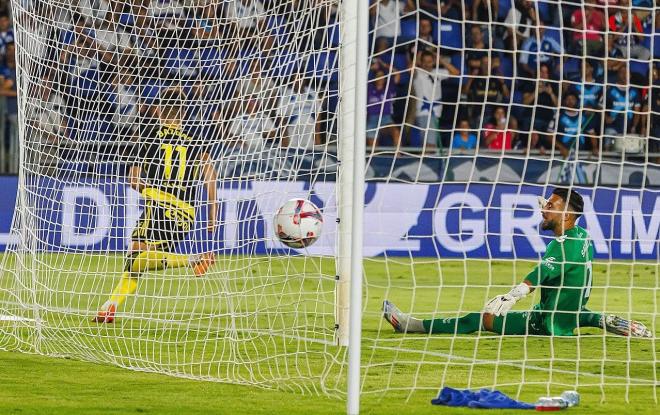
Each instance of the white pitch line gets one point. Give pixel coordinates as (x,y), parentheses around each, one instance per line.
(4,317)
(518,365)
(192,326)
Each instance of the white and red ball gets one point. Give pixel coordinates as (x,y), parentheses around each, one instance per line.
(298,223)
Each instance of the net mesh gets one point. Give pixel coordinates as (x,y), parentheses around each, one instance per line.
(258,81)
(475,109)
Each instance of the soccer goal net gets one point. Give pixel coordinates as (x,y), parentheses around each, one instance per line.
(474,108)
(105,86)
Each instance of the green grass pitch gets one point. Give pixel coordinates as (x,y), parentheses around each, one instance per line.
(400,373)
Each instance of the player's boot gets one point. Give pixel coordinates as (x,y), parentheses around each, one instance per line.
(203,262)
(402,322)
(622,327)
(107,313)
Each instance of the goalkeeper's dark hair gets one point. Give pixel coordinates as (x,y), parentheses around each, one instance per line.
(572,198)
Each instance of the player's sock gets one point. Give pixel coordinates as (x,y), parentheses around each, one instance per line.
(127,286)
(156,260)
(137,263)
(591,319)
(469,323)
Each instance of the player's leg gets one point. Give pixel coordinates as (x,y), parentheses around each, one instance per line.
(405,323)
(513,323)
(158,231)
(144,257)
(614,324)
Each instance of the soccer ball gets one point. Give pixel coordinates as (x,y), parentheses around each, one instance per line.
(298,223)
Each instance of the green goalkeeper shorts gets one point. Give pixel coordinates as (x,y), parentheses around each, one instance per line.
(520,322)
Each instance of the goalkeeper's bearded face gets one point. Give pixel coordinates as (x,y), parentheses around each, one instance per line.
(553,213)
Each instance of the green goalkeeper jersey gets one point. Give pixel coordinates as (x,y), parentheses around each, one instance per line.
(564,276)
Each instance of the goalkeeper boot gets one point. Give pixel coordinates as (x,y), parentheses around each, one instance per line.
(203,262)
(402,322)
(622,327)
(107,313)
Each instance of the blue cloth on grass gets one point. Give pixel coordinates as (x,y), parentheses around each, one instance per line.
(482,399)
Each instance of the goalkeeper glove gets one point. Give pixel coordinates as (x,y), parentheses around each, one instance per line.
(501,304)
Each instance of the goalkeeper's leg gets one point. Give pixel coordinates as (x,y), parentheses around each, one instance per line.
(514,323)
(143,259)
(405,323)
(614,324)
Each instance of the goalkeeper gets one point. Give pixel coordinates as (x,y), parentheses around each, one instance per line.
(167,170)
(564,277)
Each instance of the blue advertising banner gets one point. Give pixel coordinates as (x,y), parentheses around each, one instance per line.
(436,220)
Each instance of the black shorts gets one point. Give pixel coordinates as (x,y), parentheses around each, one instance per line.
(165,222)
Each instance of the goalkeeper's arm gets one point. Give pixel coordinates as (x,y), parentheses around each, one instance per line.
(501,304)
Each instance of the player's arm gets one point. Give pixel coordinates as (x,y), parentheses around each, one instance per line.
(210,178)
(134,179)
(501,304)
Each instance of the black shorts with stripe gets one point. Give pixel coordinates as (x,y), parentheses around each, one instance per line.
(164,224)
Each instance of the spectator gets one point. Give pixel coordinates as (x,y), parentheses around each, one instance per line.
(94,11)
(616,58)
(544,49)
(166,14)
(6,32)
(46,124)
(381,60)
(622,109)
(114,42)
(631,34)
(299,114)
(80,50)
(46,113)
(571,126)
(123,98)
(496,134)
(427,93)
(464,138)
(387,16)
(588,28)
(257,85)
(485,10)
(590,90)
(424,42)
(519,21)
(252,130)
(449,9)
(590,93)
(544,101)
(249,16)
(380,97)
(8,95)
(486,85)
(478,48)
(206,24)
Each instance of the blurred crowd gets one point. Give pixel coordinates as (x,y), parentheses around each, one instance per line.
(8,101)
(535,76)
(538,76)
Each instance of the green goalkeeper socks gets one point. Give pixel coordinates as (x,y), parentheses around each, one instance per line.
(590,319)
(469,323)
